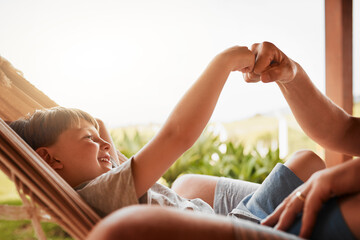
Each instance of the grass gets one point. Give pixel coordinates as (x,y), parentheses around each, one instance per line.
(15,230)
(22,230)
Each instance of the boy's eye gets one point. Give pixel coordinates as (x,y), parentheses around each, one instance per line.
(89,137)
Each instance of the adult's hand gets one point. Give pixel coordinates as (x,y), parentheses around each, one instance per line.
(313,194)
(271,65)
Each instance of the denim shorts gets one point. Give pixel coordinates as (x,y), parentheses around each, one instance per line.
(266,197)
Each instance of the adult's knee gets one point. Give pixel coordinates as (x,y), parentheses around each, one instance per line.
(304,163)
(308,157)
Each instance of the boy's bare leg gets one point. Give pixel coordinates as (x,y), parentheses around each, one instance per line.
(304,163)
(154,222)
(192,186)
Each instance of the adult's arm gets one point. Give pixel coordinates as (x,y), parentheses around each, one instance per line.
(321,119)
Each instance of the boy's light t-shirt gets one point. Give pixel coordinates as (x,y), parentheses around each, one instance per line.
(115,189)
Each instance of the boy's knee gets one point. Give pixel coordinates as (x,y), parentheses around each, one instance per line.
(188,185)
(183,182)
(192,186)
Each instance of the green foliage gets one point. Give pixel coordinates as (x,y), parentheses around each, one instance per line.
(205,157)
(130,144)
(198,159)
(211,156)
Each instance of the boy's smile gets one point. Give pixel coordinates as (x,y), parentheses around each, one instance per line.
(80,154)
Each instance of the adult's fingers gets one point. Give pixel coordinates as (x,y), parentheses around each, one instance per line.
(266,54)
(271,64)
(278,72)
(273,218)
(310,212)
(293,207)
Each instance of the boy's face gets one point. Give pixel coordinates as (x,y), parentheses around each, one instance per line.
(83,155)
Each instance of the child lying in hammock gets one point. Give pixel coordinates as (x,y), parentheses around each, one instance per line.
(70,142)
(76,146)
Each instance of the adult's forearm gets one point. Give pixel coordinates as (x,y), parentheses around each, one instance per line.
(345,177)
(318,116)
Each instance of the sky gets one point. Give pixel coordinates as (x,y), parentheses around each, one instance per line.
(129,62)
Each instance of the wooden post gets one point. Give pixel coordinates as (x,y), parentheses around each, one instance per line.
(338,38)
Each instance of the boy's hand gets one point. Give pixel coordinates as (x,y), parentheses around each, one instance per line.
(238,59)
(271,65)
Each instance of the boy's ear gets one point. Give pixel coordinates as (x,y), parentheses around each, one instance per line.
(49,159)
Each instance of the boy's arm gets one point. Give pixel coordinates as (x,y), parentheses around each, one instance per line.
(188,119)
(319,117)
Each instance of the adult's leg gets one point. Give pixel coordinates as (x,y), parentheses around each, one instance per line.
(154,222)
(304,163)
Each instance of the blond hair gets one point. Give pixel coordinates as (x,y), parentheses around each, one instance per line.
(43,127)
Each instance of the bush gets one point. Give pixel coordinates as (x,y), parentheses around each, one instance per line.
(129,144)
(211,156)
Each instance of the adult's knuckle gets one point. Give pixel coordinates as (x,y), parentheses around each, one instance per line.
(267,44)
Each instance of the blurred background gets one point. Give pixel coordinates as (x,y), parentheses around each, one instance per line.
(129,62)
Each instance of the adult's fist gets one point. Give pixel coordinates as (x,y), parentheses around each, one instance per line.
(271,65)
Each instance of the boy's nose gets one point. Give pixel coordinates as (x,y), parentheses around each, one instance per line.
(105,145)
